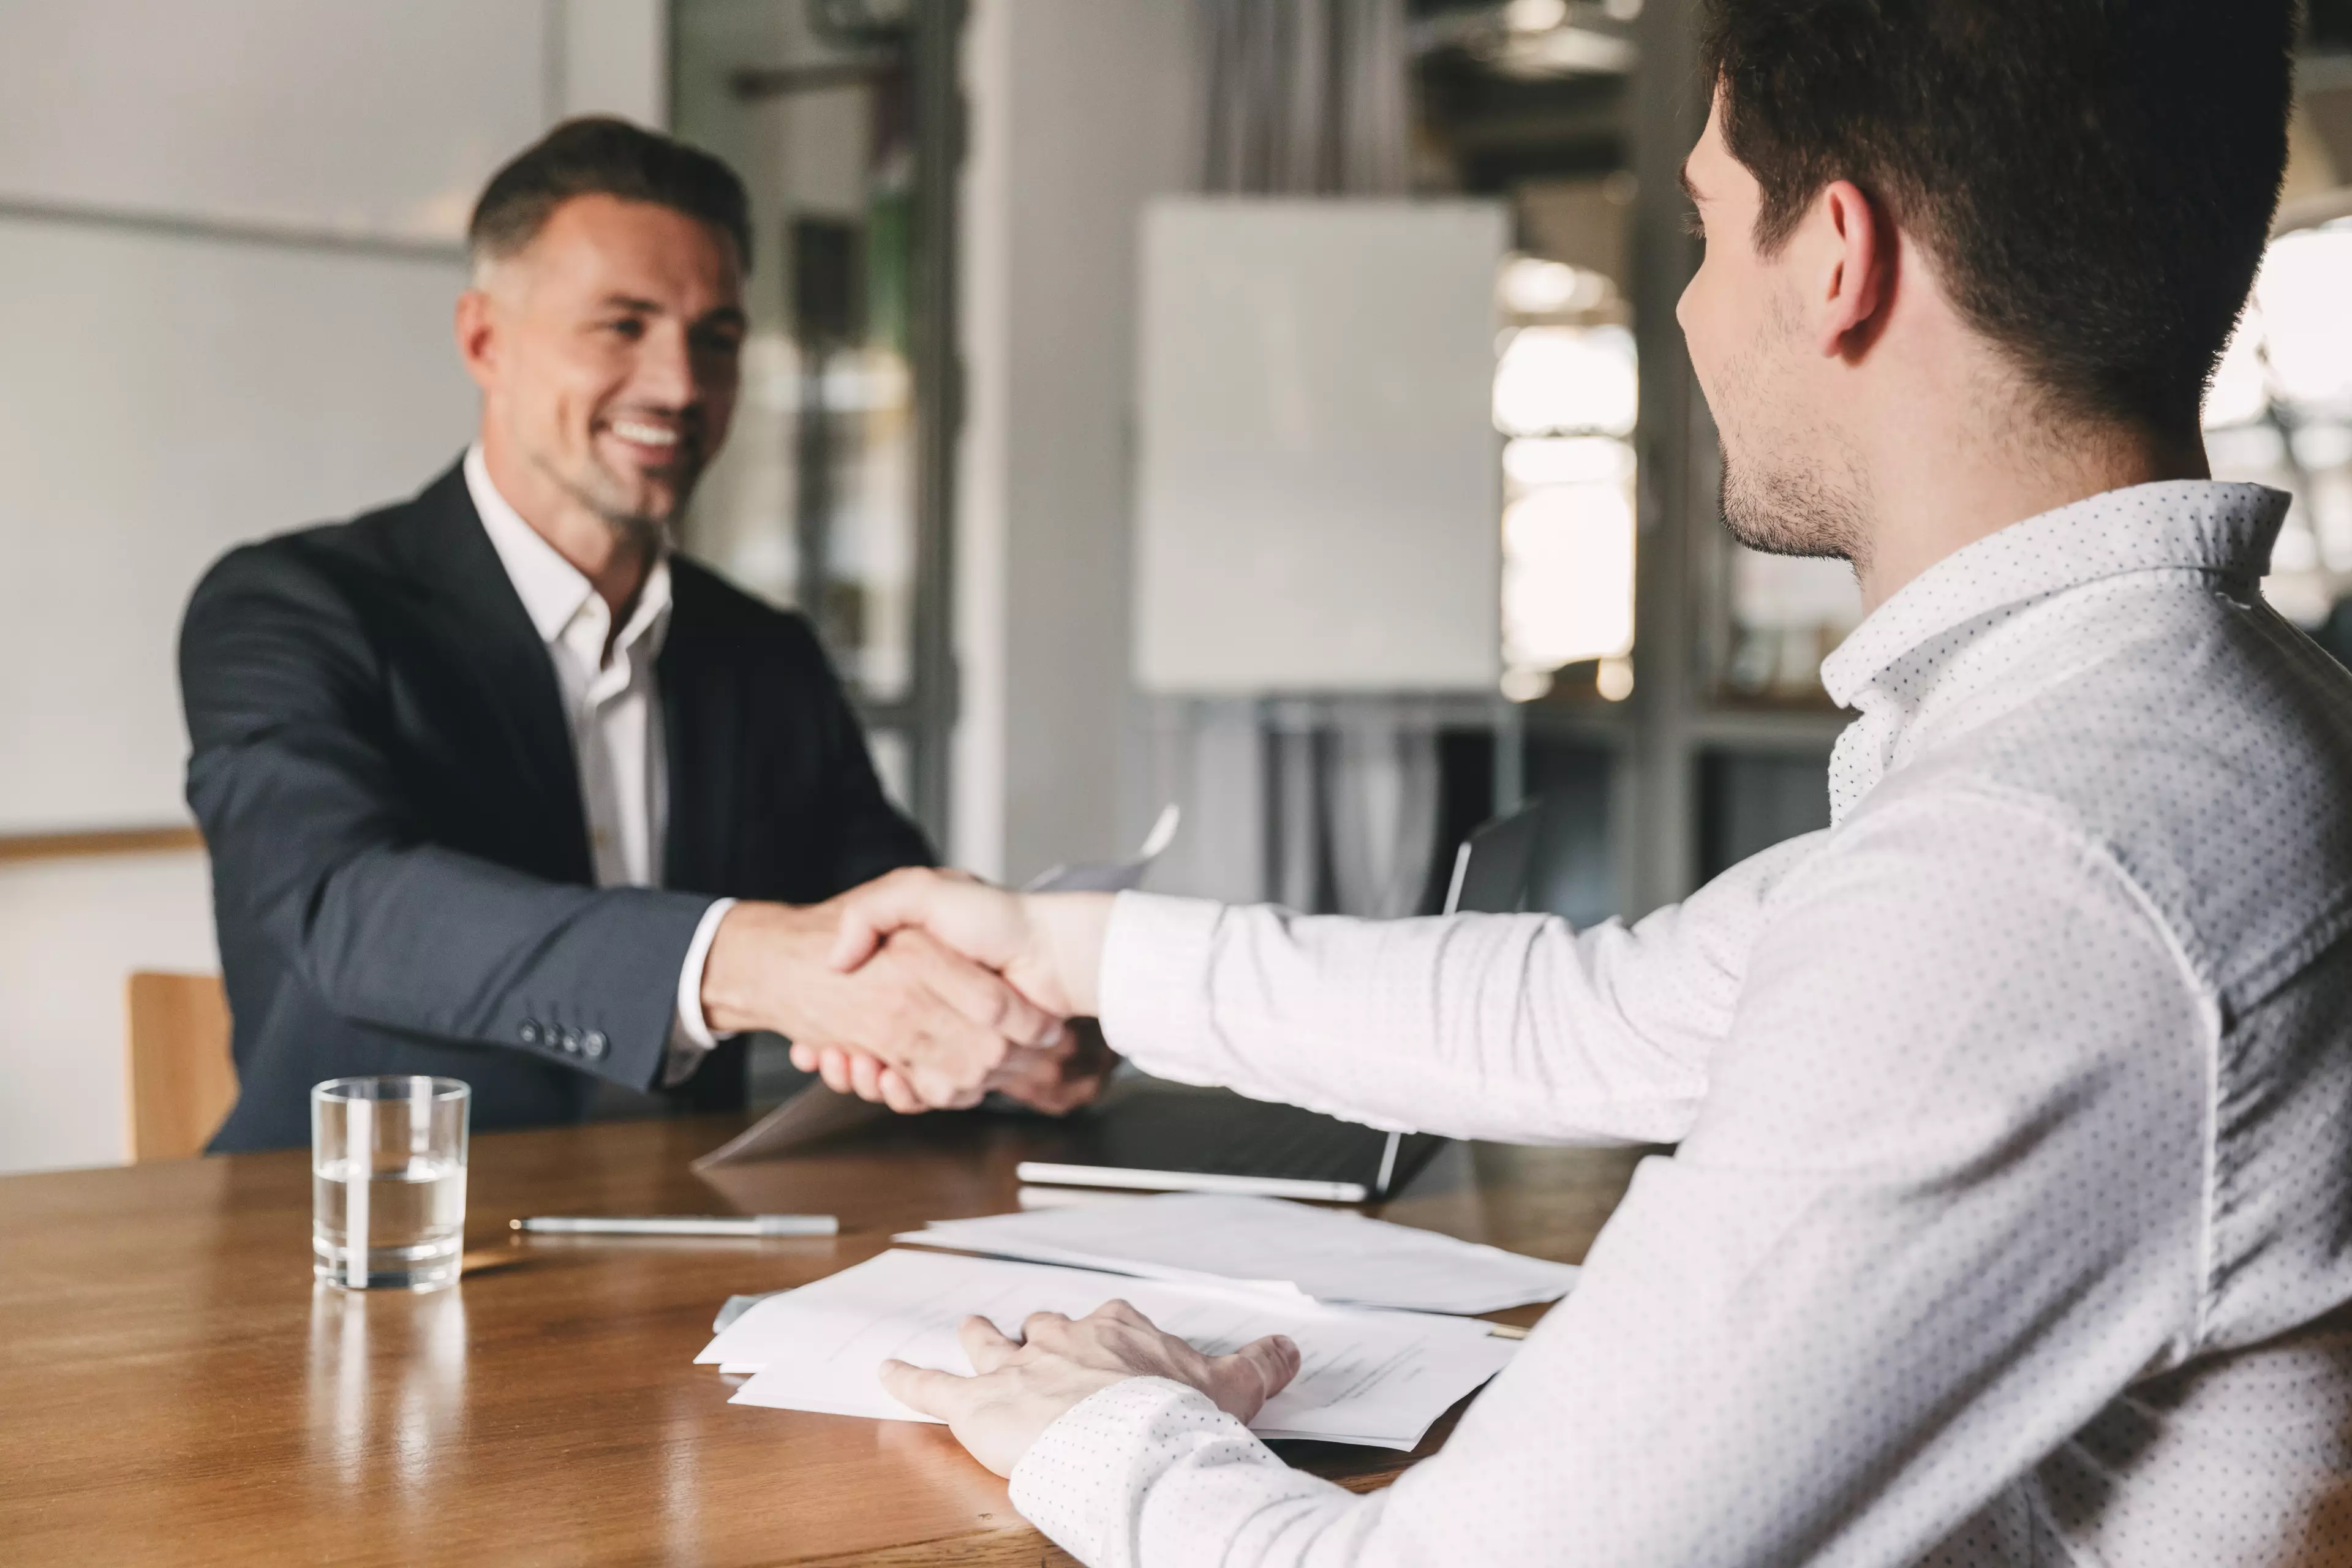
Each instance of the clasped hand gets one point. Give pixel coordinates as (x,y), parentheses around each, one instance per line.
(913,1021)
(1044,947)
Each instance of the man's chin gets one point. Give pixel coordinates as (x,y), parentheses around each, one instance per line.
(1779,517)
(1780,536)
(651,499)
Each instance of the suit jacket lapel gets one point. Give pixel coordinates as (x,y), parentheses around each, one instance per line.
(458,565)
(702,730)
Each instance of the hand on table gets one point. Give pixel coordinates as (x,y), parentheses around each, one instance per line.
(943,1023)
(1022,1386)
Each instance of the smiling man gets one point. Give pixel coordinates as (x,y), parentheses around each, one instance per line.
(2007,1224)
(497,786)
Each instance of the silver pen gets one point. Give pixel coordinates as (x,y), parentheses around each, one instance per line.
(683,1225)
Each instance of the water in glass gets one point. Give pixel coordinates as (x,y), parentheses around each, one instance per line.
(388,1182)
(415,1219)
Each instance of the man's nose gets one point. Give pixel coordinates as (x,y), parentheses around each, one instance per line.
(664,372)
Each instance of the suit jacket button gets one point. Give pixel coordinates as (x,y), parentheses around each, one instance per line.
(530,1031)
(593,1044)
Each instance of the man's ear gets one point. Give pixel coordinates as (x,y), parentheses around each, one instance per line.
(477,337)
(1859,283)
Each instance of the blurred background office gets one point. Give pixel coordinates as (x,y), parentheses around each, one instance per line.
(1274,406)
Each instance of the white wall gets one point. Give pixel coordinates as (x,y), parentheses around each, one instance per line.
(191,392)
(70,934)
(229,242)
(1081,110)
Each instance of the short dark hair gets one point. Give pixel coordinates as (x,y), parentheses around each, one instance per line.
(596,155)
(2095,179)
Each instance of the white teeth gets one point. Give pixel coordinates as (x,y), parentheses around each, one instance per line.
(644,435)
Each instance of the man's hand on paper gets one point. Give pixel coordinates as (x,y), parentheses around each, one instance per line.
(1047,946)
(938,1020)
(1022,1387)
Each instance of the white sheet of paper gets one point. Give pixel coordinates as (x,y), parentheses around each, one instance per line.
(1117,878)
(1329,1255)
(813,1114)
(1378,1379)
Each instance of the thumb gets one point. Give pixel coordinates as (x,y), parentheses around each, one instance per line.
(1264,1368)
(943,1395)
(870,913)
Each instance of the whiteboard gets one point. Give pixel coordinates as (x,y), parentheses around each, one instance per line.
(1318,477)
(378,118)
(173,389)
(167,397)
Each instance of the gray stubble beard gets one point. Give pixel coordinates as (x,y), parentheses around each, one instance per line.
(642,532)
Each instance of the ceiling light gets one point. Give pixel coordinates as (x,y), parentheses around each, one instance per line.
(1566,51)
(1535,15)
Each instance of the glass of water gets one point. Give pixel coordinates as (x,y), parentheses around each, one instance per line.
(388,1182)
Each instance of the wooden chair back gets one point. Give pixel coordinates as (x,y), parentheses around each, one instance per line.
(183,1079)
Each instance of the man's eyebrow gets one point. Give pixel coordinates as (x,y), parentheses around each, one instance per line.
(726,316)
(631,302)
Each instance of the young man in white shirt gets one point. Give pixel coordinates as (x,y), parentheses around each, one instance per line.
(2007,1221)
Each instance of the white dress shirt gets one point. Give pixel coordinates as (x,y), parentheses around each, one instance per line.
(2014,1185)
(612,706)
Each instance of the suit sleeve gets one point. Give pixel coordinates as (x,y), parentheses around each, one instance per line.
(318,850)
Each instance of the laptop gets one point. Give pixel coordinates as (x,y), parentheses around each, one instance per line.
(1149,1135)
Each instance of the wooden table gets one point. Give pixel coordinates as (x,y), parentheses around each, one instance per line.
(174,1389)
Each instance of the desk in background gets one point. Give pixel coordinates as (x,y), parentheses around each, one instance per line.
(175,1391)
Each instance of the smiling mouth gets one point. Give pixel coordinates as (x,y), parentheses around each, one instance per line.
(659,437)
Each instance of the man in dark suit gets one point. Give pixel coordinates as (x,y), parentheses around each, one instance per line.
(499,788)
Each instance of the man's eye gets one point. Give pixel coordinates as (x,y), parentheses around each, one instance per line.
(627,327)
(727,343)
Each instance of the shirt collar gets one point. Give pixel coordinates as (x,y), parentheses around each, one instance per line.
(554,591)
(2199,524)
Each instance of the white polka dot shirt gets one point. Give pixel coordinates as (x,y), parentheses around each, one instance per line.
(2013,1190)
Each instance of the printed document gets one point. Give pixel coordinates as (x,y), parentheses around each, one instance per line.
(1378,1379)
(1328,1255)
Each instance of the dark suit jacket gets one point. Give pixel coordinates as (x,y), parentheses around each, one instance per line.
(400,870)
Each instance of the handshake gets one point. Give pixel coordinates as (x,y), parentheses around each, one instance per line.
(922,990)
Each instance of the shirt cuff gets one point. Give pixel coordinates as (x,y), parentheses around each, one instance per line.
(1084,1480)
(690,1038)
(1153,991)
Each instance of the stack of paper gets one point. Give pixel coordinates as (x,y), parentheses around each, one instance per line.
(1330,1256)
(1373,1378)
